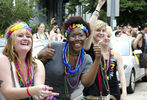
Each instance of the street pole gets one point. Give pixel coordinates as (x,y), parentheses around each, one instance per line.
(59,13)
(112,15)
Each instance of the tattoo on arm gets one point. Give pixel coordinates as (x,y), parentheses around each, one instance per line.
(1,81)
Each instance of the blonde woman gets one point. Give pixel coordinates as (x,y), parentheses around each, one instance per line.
(106,82)
(103,86)
(22,76)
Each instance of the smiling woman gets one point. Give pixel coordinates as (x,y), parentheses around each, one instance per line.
(69,64)
(22,75)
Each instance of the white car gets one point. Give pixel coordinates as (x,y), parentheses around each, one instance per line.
(2,44)
(133,72)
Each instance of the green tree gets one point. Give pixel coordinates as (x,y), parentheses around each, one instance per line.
(133,12)
(23,10)
(72,6)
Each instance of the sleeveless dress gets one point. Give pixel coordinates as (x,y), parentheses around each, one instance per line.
(44,36)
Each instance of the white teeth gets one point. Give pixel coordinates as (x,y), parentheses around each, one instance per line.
(24,43)
(77,44)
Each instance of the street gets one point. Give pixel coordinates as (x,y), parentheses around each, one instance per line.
(140,92)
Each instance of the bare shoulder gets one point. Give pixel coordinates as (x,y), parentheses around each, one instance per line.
(39,63)
(4,59)
(5,63)
(139,36)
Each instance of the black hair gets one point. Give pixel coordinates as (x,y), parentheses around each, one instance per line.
(143,26)
(139,28)
(117,32)
(75,20)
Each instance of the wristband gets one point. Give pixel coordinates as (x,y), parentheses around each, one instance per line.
(28,91)
(97,11)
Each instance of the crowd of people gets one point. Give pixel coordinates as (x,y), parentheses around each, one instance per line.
(84,54)
(54,34)
(139,42)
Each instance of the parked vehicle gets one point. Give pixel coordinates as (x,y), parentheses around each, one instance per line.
(2,44)
(133,72)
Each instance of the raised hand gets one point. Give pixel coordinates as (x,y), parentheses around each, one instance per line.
(101,2)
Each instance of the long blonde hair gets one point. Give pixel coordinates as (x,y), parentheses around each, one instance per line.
(9,48)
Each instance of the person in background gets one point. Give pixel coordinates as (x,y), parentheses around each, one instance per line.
(23,76)
(133,33)
(141,43)
(53,21)
(128,30)
(53,33)
(41,34)
(60,36)
(117,28)
(47,32)
(117,33)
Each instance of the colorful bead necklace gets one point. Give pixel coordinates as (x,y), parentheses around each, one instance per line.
(106,71)
(111,73)
(109,66)
(21,79)
(71,71)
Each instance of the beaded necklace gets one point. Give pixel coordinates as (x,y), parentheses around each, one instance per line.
(106,71)
(111,72)
(22,82)
(70,71)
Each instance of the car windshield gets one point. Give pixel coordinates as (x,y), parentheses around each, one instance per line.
(122,46)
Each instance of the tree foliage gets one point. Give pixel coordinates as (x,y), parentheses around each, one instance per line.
(23,10)
(72,6)
(132,12)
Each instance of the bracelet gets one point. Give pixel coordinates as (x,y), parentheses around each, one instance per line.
(97,11)
(28,91)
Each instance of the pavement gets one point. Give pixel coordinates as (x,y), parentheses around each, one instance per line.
(140,92)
